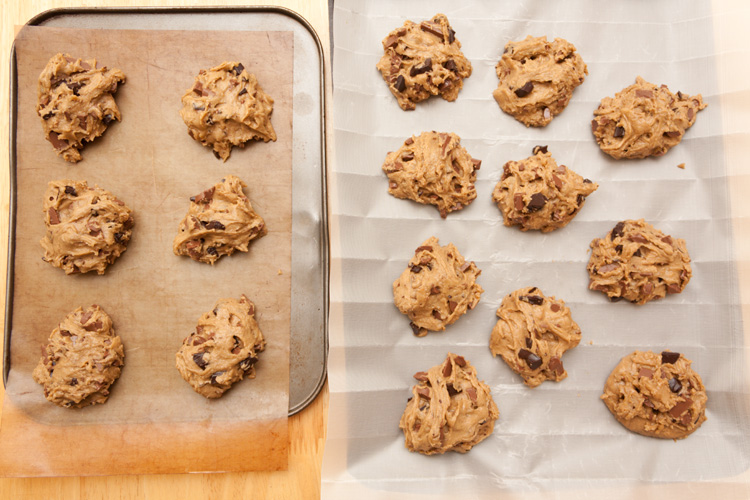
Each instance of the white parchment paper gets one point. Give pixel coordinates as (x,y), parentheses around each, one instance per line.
(558,437)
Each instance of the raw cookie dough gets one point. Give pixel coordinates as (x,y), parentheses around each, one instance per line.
(219,221)
(226,107)
(75,102)
(433,169)
(537,79)
(223,349)
(532,334)
(87,227)
(423,59)
(643,120)
(437,287)
(637,262)
(537,193)
(450,410)
(82,359)
(657,395)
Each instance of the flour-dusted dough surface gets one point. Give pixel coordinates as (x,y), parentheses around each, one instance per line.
(220,221)
(223,349)
(537,193)
(81,360)
(450,409)
(537,79)
(434,169)
(657,395)
(422,60)
(437,287)
(639,263)
(227,107)
(532,333)
(88,228)
(75,102)
(644,120)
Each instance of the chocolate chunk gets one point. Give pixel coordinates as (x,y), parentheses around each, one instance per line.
(451,35)
(243,91)
(198,360)
(531,359)
(673,288)
(71,191)
(416,269)
(472,393)
(421,376)
(400,83)
(672,134)
(212,251)
(96,325)
(535,300)
(452,306)
(432,29)
(238,69)
(424,392)
(445,86)
(74,381)
(214,224)
(54,217)
(418,70)
(644,93)
(606,268)
(617,230)
(215,376)
(409,141)
(391,41)
(518,201)
(451,390)
(645,372)
(459,360)
(680,408)
(587,181)
(555,364)
(74,86)
(525,90)
(593,126)
(619,132)
(407,156)
(669,357)
(529,342)
(57,143)
(648,403)
(436,315)
(248,362)
(675,385)
(637,238)
(425,247)
(537,202)
(48,115)
(237,347)
(554,307)
(204,197)
(466,265)
(539,149)
(450,65)
(477,163)
(434,290)
(559,184)
(447,368)
(417,330)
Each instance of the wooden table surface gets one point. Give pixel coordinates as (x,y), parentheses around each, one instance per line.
(306,430)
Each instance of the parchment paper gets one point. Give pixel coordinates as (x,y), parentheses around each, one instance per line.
(558,437)
(154,297)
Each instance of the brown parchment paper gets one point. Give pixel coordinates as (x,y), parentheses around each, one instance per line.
(154,297)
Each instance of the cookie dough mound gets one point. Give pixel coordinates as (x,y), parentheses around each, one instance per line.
(537,79)
(437,287)
(450,410)
(76,103)
(81,360)
(87,227)
(657,395)
(422,60)
(532,334)
(637,262)
(644,120)
(223,349)
(226,107)
(433,169)
(537,193)
(219,221)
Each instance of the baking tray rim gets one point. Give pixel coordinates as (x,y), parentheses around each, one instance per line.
(323,227)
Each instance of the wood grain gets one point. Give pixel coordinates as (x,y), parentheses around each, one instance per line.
(306,430)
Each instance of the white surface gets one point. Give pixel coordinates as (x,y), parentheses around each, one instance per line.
(558,436)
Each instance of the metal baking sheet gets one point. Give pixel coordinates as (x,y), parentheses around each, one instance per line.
(309,300)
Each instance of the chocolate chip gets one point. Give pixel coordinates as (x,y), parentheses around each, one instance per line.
(436,315)
(212,251)
(669,357)
(74,381)
(675,385)
(535,300)
(242,92)
(525,90)
(537,202)
(215,376)
(434,290)
(554,307)
(118,237)
(421,376)
(416,269)
(529,342)
(248,362)
(445,86)
(531,359)
(214,224)
(71,191)
(400,83)
(580,199)
(237,344)
(450,65)
(617,230)
(106,119)
(556,365)
(417,330)
(619,132)
(198,360)
(447,368)
(451,35)
(418,70)
(539,149)
(238,69)
(75,86)
(48,115)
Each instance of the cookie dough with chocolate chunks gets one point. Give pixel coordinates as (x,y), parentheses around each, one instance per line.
(223,349)
(227,107)
(81,360)
(76,103)
(422,60)
(644,120)
(532,334)
(656,395)
(437,287)
(88,228)
(433,169)
(450,409)
(639,263)
(220,221)
(537,193)
(537,79)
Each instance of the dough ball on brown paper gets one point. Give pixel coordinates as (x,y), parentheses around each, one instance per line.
(81,360)
(450,409)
